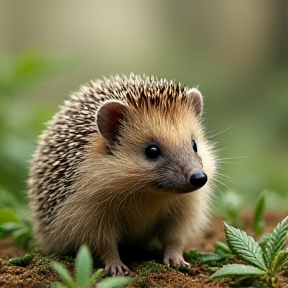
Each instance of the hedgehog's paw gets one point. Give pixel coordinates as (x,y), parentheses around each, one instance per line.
(116,269)
(174,259)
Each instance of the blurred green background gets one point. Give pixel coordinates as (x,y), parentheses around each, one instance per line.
(236,51)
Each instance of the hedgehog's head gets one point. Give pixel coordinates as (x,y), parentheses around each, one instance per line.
(156,133)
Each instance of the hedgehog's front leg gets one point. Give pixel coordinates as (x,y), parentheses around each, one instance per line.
(173,252)
(113,264)
(115,267)
(175,235)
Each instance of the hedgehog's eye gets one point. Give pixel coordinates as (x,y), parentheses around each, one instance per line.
(152,152)
(194,146)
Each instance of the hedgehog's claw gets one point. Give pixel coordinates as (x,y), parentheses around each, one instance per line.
(175,260)
(116,269)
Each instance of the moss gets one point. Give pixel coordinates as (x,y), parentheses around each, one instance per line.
(42,265)
(193,257)
(145,269)
(42,268)
(184,268)
(22,261)
(148,267)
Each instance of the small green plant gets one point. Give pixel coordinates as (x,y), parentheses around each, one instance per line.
(258,222)
(19,229)
(264,260)
(84,276)
(221,255)
(20,73)
(229,206)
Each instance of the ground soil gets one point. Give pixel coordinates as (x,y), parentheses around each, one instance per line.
(38,272)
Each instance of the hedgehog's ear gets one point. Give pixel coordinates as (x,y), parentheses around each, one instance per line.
(196,100)
(108,119)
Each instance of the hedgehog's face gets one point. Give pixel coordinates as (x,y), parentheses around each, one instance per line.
(164,148)
(177,170)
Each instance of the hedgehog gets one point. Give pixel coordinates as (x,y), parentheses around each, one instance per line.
(124,161)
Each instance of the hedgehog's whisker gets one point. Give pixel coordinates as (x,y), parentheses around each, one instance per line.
(232,180)
(222,183)
(220,132)
(220,160)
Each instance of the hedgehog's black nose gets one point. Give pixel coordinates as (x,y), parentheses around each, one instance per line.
(197,179)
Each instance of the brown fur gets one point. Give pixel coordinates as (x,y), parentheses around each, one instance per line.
(84,188)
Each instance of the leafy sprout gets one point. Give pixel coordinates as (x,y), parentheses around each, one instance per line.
(229,206)
(263,260)
(18,228)
(19,123)
(258,222)
(84,276)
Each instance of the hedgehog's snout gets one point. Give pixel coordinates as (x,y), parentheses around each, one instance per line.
(197,179)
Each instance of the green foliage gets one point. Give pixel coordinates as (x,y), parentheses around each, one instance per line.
(18,228)
(119,281)
(221,255)
(83,273)
(277,240)
(237,270)
(24,70)
(84,267)
(265,260)
(258,222)
(96,276)
(229,206)
(222,249)
(22,261)
(244,246)
(18,119)
(8,215)
(193,256)
(68,280)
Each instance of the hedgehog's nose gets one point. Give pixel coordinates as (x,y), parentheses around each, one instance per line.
(197,179)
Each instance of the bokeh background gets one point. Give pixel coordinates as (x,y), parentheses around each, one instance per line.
(235,51)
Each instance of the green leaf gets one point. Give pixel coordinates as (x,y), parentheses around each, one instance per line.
(56,284)
(223,250)
(8,228)
(237,270)
(258,223)
(244,246)
(263,241)
(210,257)
(96,276)
(280,261)
(64,274)
(83,266)
(22,236)
(118,281)
(8,215)
(276,242)
(220,246)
